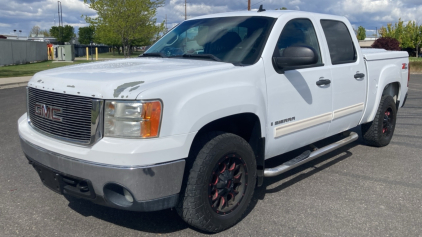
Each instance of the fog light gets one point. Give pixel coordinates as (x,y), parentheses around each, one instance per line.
(118,195)
(128,196)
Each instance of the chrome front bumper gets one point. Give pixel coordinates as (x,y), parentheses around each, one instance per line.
(153,187)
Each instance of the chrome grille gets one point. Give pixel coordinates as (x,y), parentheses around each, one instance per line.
(81,116)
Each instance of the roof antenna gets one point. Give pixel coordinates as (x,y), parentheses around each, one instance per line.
(261,9)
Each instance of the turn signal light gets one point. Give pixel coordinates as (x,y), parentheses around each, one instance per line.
(151,119)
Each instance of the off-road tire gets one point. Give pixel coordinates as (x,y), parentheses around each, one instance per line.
(372,132)
(194,206)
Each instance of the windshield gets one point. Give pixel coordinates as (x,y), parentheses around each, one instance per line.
(237,40)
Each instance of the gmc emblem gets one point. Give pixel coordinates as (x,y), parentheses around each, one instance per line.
(48,112)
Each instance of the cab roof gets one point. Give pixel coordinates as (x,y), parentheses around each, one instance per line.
(267,13)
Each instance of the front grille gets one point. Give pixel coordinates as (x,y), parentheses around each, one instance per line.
(77,117)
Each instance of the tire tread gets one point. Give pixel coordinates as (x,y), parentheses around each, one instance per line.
(370,131)
(200,159)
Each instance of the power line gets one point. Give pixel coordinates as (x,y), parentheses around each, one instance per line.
(257,3)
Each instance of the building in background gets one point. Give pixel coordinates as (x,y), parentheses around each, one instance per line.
(367,42)
(33,37)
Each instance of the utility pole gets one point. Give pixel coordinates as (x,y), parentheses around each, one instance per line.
(167,29)
(60,16)
(58,11)
(249,5)
(186,15)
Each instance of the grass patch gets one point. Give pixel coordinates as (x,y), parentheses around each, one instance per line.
(32,68)
(415,59)
(416,66)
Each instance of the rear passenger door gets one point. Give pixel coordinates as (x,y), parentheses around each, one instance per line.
(347,75)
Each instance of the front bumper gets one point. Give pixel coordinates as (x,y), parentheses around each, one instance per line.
(154,187)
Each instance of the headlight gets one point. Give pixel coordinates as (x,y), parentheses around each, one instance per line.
(133,119)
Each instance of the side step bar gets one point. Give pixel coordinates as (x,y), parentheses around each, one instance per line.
(308,156)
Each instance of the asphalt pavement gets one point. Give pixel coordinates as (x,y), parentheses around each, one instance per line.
(354,191)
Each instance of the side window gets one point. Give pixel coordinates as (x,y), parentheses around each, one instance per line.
(340,44)
(295,33)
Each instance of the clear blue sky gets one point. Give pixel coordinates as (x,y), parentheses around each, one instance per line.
(23,14)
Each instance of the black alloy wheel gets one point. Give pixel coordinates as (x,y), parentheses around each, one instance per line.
(228,184)
(387,122)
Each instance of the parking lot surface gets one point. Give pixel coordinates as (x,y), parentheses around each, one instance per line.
(354,191)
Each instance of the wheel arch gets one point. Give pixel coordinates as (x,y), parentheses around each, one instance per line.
(247,126)
(393,89)
(387,84)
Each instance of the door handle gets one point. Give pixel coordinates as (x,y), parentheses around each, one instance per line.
(359,75)
(322,82)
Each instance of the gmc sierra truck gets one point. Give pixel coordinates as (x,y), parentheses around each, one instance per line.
(189,124)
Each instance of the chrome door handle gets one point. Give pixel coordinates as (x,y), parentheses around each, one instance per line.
(359,75)
(322,82)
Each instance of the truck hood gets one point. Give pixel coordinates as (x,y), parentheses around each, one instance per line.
(123,79)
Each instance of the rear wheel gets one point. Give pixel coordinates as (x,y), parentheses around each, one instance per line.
(220,183)
(380,132)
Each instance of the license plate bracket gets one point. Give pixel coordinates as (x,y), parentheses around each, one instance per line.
(49,178)
(62,183)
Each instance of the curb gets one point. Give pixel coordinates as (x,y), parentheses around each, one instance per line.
(13,85)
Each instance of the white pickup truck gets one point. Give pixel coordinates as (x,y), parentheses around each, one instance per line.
(189,124)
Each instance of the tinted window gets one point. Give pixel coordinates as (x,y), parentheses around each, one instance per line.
(298,32)
(340,44)
(231,39)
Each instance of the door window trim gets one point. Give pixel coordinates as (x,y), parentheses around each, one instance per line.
(281,71)
(351,39)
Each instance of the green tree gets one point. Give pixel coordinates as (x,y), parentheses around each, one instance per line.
(45,33)
(127,23)
(361,33)
(388,31)
(86,34)
(418,39)
(413,36)
(409,36)
(408,39)
(283,8)
(105,36)
(62,33)
(35,31)
(396,31)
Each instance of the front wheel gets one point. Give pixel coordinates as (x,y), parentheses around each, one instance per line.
(379,132)
(220,184)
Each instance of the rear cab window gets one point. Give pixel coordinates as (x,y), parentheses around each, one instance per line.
(340,43)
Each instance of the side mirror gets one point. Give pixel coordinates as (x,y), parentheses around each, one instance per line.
(296,56)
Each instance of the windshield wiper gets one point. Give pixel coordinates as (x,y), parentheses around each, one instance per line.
(210,56)
(161,55)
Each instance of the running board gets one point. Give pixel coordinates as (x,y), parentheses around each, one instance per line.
(308,156)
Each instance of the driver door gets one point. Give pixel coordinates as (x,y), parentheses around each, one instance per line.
(299,110)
